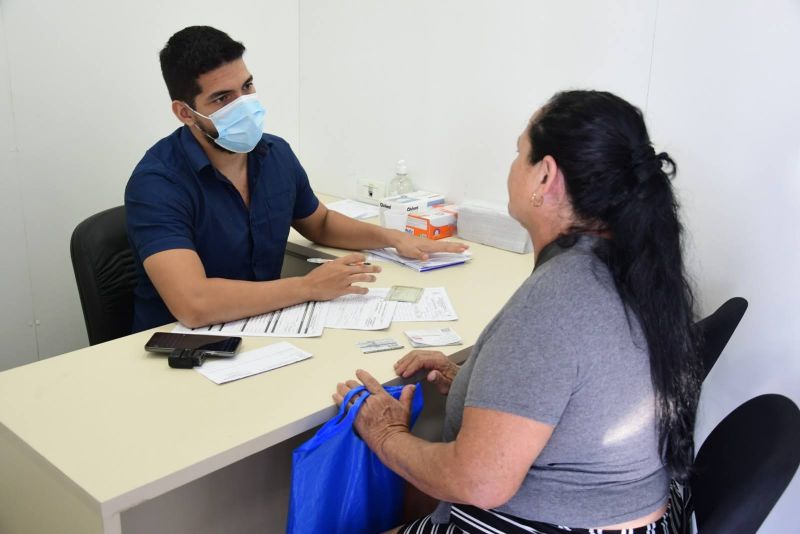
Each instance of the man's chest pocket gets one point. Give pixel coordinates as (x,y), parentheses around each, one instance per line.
(273,218)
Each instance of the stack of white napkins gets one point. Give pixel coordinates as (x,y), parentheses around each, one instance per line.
(433,337)
(354,209)
(491,225)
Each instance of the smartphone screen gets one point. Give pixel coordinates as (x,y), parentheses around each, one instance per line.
(212,345)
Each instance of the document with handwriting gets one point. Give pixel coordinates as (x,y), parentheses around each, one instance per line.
(433,305)
(361,312)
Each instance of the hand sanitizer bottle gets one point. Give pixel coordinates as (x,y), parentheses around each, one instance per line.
(401,183)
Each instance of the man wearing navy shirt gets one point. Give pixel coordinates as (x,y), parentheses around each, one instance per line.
(210,206)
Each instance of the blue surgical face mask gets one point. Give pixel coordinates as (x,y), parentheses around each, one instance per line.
(239,124)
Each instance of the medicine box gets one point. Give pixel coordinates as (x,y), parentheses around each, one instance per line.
(436,224)
(416,202)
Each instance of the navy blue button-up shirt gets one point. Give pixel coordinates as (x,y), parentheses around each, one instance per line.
(176,199)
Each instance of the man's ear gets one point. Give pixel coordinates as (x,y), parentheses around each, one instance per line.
(183,113)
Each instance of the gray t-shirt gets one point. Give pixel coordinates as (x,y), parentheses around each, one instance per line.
(562,352)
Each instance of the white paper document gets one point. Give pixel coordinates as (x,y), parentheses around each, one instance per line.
(433,337)
(251,362)
(351,312)
(361,312)
(433,305)
(437,260)
(354,209)
(301,320)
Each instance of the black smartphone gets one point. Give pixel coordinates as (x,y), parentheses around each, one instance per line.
(210,345)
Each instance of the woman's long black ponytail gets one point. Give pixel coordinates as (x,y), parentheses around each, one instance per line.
(618,184)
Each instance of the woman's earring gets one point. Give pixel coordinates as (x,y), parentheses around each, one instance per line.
(536,200)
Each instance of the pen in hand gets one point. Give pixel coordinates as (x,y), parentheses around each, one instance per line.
(326,260)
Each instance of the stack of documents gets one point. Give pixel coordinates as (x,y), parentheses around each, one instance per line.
(433,337)
(437,260)
(354,209)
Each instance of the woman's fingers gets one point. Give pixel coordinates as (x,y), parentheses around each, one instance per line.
(372,385)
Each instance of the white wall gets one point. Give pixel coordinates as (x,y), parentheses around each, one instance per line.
(16,311)
(449,85)
(724,101)
(81,99)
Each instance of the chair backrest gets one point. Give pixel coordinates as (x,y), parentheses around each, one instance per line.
(745,464)
(105,273)
(716,330)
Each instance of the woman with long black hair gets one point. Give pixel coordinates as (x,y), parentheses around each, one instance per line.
(576,406)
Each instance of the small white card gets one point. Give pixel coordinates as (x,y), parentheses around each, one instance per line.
(251,362)
(433,337)
(378,345)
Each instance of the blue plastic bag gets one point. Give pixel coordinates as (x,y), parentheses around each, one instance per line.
(338,484)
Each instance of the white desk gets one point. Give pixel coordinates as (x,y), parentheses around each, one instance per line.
(105,439)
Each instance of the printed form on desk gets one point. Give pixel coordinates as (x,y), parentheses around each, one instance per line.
(361,312)
(351,312)
(301,320)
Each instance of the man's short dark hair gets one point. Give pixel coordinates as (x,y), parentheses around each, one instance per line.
(192,52)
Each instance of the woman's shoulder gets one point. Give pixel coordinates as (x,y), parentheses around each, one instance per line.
(574,272)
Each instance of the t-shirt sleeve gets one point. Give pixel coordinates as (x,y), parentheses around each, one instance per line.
(306,202)
(159,214)
(528,366)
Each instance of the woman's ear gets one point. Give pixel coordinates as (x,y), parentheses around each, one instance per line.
(552,186)
(548,175)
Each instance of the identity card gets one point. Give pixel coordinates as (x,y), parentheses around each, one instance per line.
(404,293)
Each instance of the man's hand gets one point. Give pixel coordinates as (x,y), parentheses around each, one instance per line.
(336,278)
(420,248)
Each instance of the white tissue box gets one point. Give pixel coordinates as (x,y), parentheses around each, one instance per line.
(491,225)
(416,202)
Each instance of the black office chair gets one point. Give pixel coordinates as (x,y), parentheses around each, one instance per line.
(716,330)
(744,466)
(105,273)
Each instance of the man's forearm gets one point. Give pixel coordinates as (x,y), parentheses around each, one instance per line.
(343,232)
(218,300)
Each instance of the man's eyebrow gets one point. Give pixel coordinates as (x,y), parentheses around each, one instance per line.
(217,94)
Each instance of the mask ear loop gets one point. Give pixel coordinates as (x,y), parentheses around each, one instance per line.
(197,125)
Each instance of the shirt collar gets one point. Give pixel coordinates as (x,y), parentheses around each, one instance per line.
(565,242)
(198,159)
(194,152)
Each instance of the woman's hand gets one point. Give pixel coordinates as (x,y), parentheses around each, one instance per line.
(442,371)
(381,416)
